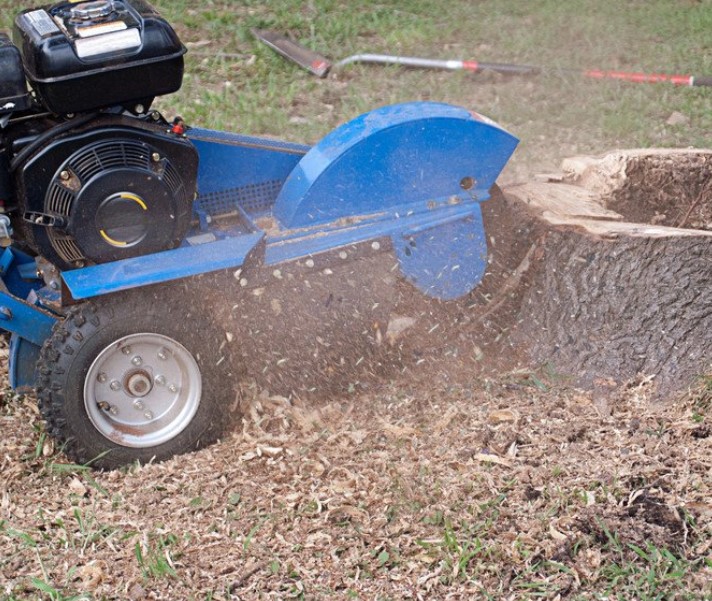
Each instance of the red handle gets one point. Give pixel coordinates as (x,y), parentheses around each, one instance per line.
(678,80)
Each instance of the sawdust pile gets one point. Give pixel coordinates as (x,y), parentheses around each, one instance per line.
(671,187)
(429,488)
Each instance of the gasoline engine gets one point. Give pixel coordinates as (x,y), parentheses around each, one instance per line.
(89,173)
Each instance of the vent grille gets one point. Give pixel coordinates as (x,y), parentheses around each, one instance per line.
(59,200)
(107,155)
(254,199)
(65,246)
(90,162)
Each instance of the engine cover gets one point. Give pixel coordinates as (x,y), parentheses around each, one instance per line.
(81,56)
(112,192)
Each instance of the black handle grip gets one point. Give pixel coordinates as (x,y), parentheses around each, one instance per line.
(702,81)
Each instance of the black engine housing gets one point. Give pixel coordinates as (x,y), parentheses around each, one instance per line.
(116,188)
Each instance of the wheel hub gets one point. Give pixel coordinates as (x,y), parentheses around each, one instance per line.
(138,384)
(142,390)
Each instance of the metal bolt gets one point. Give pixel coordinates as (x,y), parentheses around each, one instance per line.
(139,405)
(172,388)
(64,175)
(114,410)
(137,360)
(103,405)
(155,157)
(126,350)
(115,386)
(162,355)
(139,108)
(101,378)
(148,415)
(161,380)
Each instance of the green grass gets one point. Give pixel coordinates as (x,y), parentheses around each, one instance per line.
(253,90)
(155,558)
(554,115)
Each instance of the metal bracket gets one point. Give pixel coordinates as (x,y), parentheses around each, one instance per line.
(44,219)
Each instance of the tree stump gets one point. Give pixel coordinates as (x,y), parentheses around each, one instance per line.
(619,281)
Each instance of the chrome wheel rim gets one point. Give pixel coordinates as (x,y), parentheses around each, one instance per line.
(142,390)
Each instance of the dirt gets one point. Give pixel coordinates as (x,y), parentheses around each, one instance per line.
(437,485)
(390,447)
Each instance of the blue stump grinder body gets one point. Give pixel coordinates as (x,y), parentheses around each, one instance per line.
(415,173)
(105,205)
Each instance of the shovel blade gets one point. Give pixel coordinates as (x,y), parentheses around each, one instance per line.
(288,48)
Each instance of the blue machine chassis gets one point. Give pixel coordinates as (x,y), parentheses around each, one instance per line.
(415,173)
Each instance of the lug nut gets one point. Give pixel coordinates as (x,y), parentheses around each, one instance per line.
(115,386)
(161,380)
(137,360)
(126,350)
(101,378)
(139,405)
(173,388)
(162,355)
(114,410)
(148,415)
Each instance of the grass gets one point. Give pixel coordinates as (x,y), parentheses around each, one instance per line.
(155,559)
(233,82)
(647,574)
(554,115)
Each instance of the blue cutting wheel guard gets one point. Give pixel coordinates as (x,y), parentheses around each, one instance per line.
(422,162)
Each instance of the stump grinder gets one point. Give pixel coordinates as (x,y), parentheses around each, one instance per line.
(105,204)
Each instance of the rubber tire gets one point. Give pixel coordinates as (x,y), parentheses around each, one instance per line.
(87,329)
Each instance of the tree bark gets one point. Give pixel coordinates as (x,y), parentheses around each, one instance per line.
(607,300)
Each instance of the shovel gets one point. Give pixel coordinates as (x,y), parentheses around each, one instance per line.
(320,66)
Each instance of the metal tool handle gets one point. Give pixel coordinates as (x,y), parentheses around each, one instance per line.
(430,63)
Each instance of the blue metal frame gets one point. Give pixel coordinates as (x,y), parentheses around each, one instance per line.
(414,172)
(21,315)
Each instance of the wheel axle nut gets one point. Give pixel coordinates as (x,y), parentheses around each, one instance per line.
(139,384)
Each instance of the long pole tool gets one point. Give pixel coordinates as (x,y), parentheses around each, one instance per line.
(320,66)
